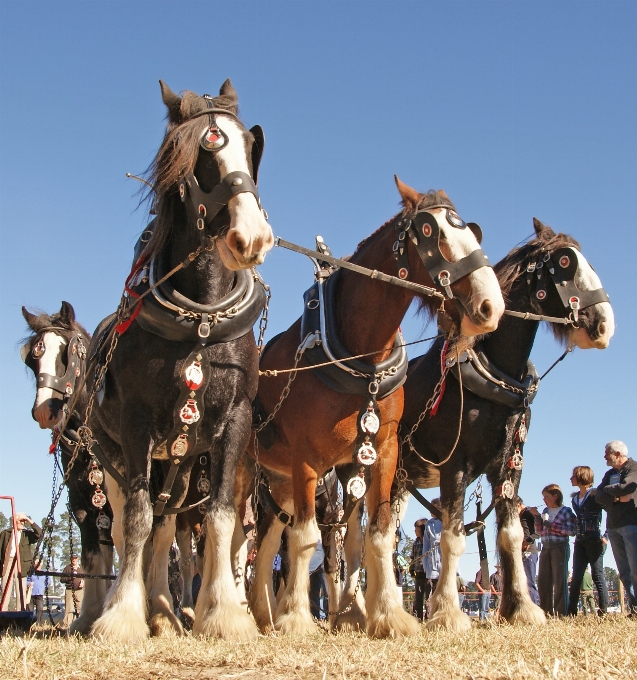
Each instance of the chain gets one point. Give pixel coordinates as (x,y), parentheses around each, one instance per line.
(360,568)
(476,494)
(286,390)
(423,415)
(49,544)
(380,376)
(263,322)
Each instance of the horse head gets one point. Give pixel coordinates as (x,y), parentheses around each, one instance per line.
(450,251)
(55,352)
(576,292)
(210,161)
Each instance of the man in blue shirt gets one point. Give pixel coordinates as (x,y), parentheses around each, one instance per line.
(432,558)
(37,585)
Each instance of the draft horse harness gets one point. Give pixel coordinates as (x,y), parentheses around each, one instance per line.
(149,299)
(479,375)
(332,366)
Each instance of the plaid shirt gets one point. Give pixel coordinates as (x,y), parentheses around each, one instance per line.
(556,532)
(416,552)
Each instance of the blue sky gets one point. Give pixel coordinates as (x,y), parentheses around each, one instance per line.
(516,109)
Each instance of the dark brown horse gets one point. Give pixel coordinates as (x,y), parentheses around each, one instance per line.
(183,375)
(493,409)
(317,426)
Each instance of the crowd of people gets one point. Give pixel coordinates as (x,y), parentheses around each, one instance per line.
(546,547)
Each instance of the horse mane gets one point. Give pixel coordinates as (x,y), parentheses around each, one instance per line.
(510,267)
(428,199)
(176,157)
(44,320)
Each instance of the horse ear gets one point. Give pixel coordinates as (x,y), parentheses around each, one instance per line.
(172,101)
(31,319)
(227,90)
(257,150)
(67,314)
(411,198)
(542,231)
(34,321)
(476,230)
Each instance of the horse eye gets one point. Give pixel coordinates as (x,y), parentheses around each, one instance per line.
(38,350)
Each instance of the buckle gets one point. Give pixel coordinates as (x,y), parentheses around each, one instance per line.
(204,329)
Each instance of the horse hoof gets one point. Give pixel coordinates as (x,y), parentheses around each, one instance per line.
(228,623)
(163,624)
(122,625)
(528,614)
(295,623)
(449,619)
(392,624)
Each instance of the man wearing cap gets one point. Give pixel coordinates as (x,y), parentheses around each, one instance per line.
(74,590)
(417,570)
(617,494)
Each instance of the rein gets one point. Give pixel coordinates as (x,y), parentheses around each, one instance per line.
(372,273)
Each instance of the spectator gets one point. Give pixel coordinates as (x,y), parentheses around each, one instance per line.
(74,593)
(432,559)
(37,585)
(485,597)
(529,548)
(318,586)
(555,525)
(417,570)
(586,592)
(590,545)
(617,494)
(27,539)
(496,582)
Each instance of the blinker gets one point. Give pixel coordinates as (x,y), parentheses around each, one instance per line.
(455,220)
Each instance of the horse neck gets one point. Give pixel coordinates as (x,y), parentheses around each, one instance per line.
(369,312)
(509,347)
(206,279)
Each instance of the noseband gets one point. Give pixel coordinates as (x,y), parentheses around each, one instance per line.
(424,231)
(76,359)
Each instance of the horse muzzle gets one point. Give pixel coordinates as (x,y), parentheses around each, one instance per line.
(48,413)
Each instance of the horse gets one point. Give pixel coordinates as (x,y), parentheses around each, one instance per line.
(549,280)
(318,426)
(56,353)
(177,372)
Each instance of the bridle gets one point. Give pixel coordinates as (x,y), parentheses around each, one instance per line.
(562,266)
(208,205)
(424,231)
(75,364)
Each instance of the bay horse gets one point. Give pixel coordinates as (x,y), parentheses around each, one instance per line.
(540,278)
(184,369)
(56,353)
(318,426)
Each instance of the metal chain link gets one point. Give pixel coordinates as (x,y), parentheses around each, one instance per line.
(476,494)
(263,322)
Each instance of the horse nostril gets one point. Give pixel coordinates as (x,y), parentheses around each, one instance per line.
(602,328)
(486,309)
(236,242)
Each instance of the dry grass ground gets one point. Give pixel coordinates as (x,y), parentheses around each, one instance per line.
(585,648)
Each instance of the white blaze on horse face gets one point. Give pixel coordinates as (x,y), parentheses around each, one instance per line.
(486,305)
(53,346)
(604,319)
(249,236)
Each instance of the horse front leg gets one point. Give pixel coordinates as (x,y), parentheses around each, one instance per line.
(96,559)
(218,612)
(124,617)
(352,600)
(161,615)
(293,611)
(386,616)
(517,606)
(445,606)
